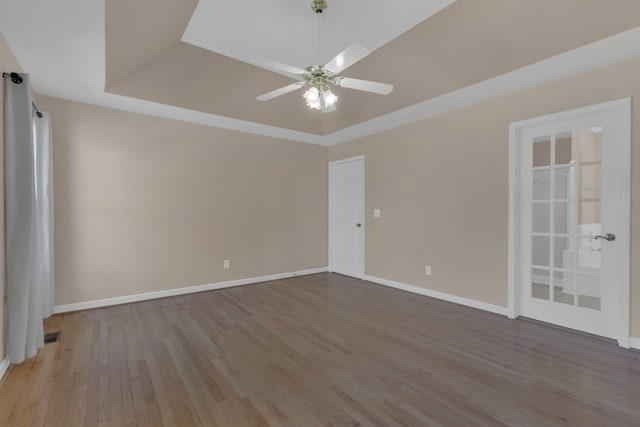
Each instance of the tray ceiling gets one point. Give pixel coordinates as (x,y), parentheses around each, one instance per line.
(287,30)
(194,61)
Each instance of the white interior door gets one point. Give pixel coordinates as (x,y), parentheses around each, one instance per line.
(573,219)
(346,217)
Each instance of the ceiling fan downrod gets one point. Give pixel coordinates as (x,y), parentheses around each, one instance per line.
(318,6)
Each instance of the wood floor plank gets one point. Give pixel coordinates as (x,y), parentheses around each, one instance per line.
(319,350)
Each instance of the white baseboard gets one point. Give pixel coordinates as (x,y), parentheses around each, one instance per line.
(440,295)
(180,291)
(634,343)
(4,366)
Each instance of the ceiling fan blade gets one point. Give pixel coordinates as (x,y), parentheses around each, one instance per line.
(276,93)
(365,85)
(280,68)
(347,58)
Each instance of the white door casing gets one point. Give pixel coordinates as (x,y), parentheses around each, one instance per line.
(567,274)
(346,216)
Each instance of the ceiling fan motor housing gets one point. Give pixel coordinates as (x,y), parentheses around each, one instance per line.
(318,76)
(318,6)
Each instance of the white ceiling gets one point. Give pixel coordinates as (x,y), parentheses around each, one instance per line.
(61,45)
(287,30)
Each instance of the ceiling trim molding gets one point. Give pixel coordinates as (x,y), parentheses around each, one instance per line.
(599,54)
(596,55)
(149,108)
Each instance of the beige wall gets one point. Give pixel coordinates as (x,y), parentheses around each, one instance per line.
(442,186)
(145,204)
(8,64)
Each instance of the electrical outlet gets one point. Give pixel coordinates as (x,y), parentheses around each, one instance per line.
(226,263)
(427,270)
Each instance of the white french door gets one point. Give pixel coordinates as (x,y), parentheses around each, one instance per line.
(346,217)
(572,173)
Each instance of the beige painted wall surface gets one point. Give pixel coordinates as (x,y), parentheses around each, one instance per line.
(8,64)
(442,186)
(145,204)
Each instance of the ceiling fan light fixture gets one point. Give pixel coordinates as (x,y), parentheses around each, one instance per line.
(328,102)
(321,100)
(312,96)
(329,98)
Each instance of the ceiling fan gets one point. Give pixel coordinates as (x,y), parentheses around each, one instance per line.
(319,78)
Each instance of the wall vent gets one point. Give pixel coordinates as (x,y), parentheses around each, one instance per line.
(50,337)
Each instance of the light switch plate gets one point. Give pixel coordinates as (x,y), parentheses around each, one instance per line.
(376,213)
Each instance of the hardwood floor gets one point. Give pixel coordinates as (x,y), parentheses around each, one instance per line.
(315,351)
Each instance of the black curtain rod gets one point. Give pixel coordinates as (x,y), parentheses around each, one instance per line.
(38,113)
(15,78)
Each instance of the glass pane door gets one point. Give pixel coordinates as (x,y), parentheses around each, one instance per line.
(572,223)
(566,218)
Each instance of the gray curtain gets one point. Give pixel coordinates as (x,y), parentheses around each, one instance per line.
(44,209)
(28,232)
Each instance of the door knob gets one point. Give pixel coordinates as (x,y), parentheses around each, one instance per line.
(608,237)
(358,225)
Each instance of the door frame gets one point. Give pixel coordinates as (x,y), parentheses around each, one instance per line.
(364,225)
(621,107)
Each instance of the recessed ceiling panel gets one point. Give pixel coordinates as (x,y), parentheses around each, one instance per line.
(437,64)
(288,30)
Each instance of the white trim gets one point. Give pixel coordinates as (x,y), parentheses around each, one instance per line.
(363,213)
(329,266)
(440,295)
(624,296)
(515,130)
(602,53)
(514,201)
(347,160)
(634,343)
(180,291)
(4,367)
